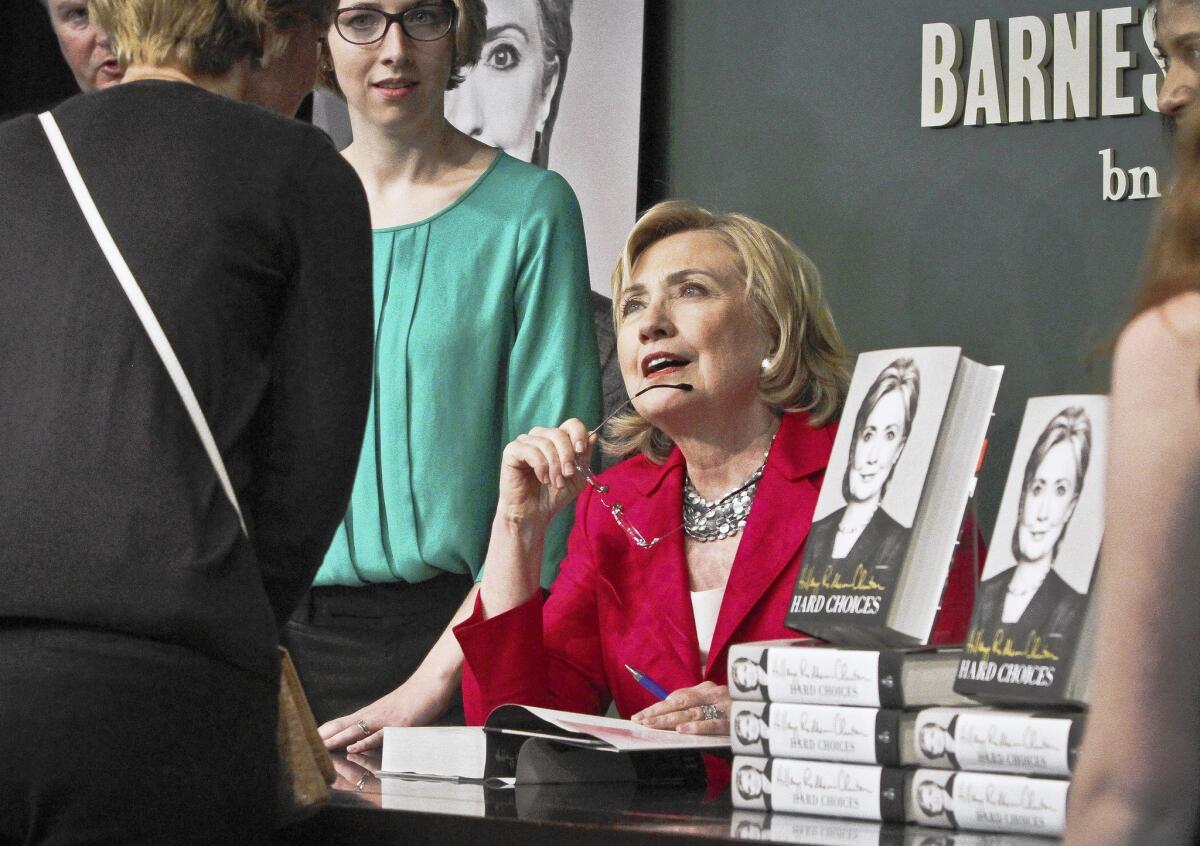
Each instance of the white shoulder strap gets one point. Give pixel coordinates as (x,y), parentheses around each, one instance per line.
(138,300)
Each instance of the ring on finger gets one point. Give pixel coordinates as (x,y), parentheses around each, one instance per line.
(711,712)
(363,727)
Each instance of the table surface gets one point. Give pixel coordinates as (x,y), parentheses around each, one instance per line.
(366,809)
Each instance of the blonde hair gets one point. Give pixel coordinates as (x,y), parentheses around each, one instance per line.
(204,36)
(470,30)
(808,368)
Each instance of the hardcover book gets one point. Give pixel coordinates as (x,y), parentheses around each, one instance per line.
(940,798)
(976,739)
(840,733)
(889,513)
(988,802)
(525,745)
(801,671)
(1030,634)
(991,740)
(854,791)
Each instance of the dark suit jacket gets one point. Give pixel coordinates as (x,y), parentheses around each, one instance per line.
(768,784)
(250,237)
(880,548)
(951,729)
(765,738)
(1055,611)
(614,603)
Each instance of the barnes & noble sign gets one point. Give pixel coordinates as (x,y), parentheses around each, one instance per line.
(1072,65)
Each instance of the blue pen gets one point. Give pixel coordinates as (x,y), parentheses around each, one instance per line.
(648,683)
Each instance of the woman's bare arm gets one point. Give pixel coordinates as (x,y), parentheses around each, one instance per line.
(1138,774)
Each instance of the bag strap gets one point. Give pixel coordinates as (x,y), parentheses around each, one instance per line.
(138,300)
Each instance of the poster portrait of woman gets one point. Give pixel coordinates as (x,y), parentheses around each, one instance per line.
(510,98)
(1055,509)
(862,539)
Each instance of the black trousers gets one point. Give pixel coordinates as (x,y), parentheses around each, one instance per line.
(111,739)
(352,645)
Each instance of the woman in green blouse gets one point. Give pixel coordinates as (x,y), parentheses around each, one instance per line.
(482,330)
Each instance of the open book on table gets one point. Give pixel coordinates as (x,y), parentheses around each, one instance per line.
(527,745)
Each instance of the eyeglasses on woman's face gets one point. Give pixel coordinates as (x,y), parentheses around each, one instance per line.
(365,25)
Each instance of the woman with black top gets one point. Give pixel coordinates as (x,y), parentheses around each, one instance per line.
(138,625)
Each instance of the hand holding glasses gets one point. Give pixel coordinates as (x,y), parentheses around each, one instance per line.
(617,509)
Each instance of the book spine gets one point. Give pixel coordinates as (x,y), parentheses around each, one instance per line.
(988,802)
(813,675)
(985,740)
(854,791)
(817,732)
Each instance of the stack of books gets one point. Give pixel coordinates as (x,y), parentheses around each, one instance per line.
(882,735)
(868,726)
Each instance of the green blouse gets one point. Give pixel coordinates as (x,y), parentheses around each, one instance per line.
(482,331)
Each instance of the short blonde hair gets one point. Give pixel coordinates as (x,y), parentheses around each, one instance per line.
(470,30)
(808,369)
(204,36)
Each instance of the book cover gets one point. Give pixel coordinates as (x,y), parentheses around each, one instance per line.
(816,732)
(990,740)
(988,802)
(854,791)
(1031,605)
(893,498)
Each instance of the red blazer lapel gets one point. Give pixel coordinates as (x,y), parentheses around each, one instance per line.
(664,575)
(779,521)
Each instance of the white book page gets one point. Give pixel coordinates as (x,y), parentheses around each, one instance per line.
(445,752)
(626,736)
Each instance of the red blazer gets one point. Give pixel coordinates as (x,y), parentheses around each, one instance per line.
(615,604)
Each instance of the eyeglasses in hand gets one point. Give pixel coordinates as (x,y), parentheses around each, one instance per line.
(617,509)
(363,25)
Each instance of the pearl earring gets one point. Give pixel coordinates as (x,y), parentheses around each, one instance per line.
(766,364)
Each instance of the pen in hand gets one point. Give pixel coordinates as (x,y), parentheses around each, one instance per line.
(650,684)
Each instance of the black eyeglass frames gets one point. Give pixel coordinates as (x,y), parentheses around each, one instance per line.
(364,25)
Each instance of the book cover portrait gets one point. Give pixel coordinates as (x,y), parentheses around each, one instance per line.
(877,471)
(1030,605)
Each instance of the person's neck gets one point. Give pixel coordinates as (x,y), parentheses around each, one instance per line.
(722,454)
(233,83)
(415,154)
(1042,563)
(859,512)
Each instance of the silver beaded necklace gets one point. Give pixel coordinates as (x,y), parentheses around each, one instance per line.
(706,521)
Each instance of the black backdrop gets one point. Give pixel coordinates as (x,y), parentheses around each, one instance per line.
(33,74)
(806,114)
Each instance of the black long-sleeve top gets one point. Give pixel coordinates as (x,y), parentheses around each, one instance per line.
(251,238)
